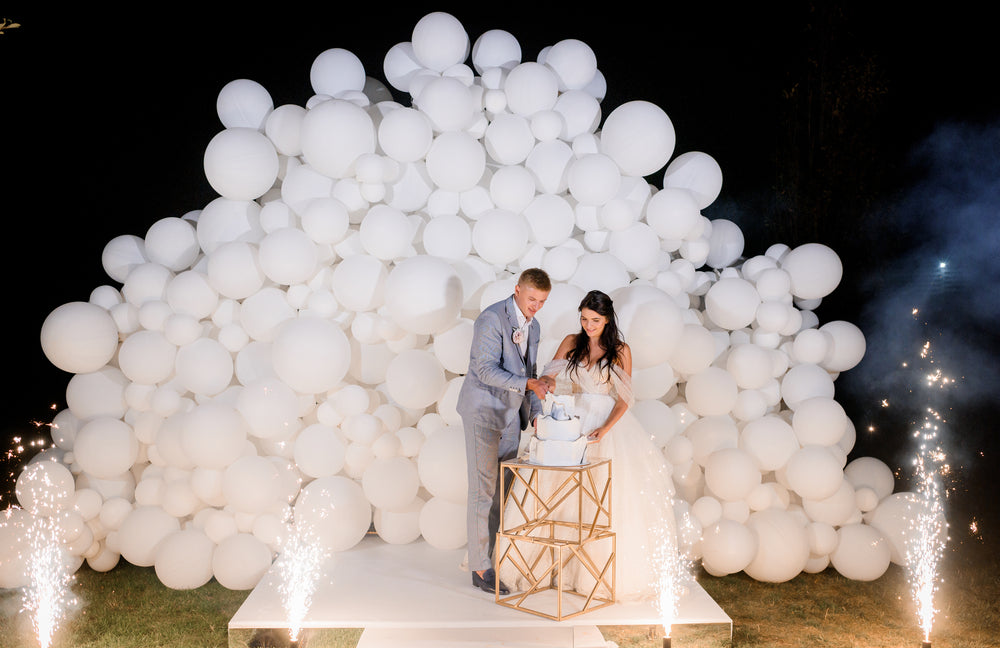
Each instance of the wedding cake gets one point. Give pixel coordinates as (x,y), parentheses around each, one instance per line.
(558,439)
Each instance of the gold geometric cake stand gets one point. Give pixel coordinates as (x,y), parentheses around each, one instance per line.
(557,519)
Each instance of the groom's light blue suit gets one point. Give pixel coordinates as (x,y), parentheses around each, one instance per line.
(495,406)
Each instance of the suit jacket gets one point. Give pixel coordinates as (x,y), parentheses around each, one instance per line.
(494,392)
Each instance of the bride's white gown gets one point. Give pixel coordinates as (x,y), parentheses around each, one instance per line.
(641,495)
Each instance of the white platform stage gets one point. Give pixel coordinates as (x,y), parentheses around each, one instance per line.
(416,595)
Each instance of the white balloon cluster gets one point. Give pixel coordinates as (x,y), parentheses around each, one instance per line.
(294,349)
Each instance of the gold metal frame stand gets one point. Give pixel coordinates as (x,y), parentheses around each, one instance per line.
(557,519)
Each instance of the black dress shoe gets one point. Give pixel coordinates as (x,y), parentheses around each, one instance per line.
(489,582)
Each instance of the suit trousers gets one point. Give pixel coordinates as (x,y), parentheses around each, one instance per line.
(485,448)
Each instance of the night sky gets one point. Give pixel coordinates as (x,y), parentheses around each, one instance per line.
(876,134)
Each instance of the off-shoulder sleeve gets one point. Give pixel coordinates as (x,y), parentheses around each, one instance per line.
(555,367)
(622,384)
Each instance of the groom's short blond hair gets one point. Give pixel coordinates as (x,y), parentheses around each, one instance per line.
(536,278)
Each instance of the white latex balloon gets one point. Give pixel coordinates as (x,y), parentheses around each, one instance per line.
(819,421)
(725,243)
(105,447)
(251,484)
(44,487)
(336,71)
(732,303)
(696,172)
(79,337)
(172,243)
(805,381)
(386,233)
(782,546)
(147,357)
(500,237)
(121,255)
(141,533)
(731,473)
(204,367)
(240,561)
(770,440)
(391,483)
(241,163)
(400,525)
(862,553)
(234,270)
(448,102)
(871,473)
(359,282)
(415,379)
(405,134)
(574,62)
(711,392)
(243,103)
(448,236)
(836,510)
(334,509)
(847,346)
(423,295)
(334,135)
(636,246)
(815,270)
(495,48)
(288,256)
(456,161)
(594,179)
(814,472)
(284,128)
(184,559)
(100,393)
(319,451)
(311,355)
(727,547)
(673,213)
(440,41)
(531,87)
(508,139)
(639,137)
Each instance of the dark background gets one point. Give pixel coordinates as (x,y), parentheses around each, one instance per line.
(874,132)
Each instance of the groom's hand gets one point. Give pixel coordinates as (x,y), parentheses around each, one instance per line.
(537,386)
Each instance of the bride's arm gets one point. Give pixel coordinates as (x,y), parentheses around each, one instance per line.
(621,403)
(561,354)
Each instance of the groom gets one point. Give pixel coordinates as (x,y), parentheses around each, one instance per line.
(500,396)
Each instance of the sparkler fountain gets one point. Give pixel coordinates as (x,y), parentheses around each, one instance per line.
(48,596)
(675,573)
(299,566)
(928,534)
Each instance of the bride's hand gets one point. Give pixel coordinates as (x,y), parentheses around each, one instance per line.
(598,434)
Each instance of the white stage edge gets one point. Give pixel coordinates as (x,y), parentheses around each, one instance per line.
(416,588)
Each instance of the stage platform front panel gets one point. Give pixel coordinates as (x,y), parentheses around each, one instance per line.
(382,586)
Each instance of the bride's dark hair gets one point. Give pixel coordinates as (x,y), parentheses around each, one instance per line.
(611,339)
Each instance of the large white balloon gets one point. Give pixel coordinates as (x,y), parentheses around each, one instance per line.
(335,509)
(311,355)
(79,337)
(639,137)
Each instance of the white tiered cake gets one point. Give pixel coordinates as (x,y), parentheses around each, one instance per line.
(558,439)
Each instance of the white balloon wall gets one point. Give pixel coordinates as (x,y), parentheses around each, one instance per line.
(293,350)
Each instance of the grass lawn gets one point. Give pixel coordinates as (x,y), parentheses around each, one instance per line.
(129,607)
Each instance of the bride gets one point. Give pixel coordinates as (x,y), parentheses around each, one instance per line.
(596,365)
